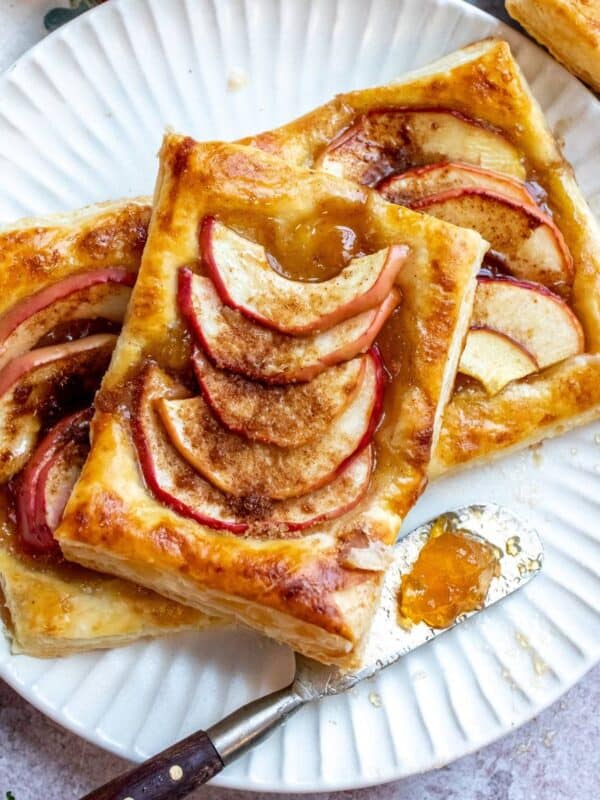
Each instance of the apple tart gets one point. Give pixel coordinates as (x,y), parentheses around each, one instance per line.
(66,285)
(464,140)
(268,416)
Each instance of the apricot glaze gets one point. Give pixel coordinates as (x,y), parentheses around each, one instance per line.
(314,245)
(450,577)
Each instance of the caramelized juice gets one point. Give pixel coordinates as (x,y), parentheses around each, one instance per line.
(313,245)
(451,576)
(71,330)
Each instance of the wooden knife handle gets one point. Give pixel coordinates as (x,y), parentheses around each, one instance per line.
(172,774)
(176,771)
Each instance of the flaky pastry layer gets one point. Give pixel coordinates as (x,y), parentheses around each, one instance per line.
(570,29)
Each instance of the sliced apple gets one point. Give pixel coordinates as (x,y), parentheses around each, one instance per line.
(33,385)
(251,469)
(530,314)
(235,343)
(527,238)
(167,475)
(385,141)
(174,482)
(245,281)
(494,359)
(47,481)
(288,416)
(422,182)
(102,293)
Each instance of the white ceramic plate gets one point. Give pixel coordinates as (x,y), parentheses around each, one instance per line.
(81,117)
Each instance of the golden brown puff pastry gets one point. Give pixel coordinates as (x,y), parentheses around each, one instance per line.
(314,589)
(484,82)
(54,608)
(570,29)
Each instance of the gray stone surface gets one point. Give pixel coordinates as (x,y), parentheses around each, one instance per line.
(554,757)
(495,7)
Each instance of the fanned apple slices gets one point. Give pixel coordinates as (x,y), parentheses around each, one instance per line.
(242,468)
(245,280)
(39,384)
(280,437)
(467,173)
(173,480)
(37,380)
(85,296)
(236,344)
(47,481)
(288,416)
(383,142)
(460,170)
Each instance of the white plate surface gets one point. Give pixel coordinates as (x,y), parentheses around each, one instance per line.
(81,118)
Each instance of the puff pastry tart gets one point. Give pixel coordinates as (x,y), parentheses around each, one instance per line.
(464,140)
(66,282)
(268,416)
(570,29)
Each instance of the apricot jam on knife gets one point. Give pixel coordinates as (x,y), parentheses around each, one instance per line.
(450,577)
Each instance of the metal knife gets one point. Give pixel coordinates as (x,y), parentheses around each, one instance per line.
(179,769)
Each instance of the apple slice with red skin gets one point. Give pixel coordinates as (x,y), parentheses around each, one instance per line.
(47,481)
(422,182)
(248,469)
(494,359)
(234,343)
(385,141)
(173,481)
(528,239)
(34,383)
(88,295)
(288,416)
(246,281)
(532,315)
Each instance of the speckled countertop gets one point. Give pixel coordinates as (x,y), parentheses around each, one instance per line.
(554,757)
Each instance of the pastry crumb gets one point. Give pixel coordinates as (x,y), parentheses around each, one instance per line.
(524,747)
(236,80)
(375,699)
(548,737)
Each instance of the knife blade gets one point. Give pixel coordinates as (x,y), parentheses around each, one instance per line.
(521,557)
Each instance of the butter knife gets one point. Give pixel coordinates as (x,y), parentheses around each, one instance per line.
(176,771)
